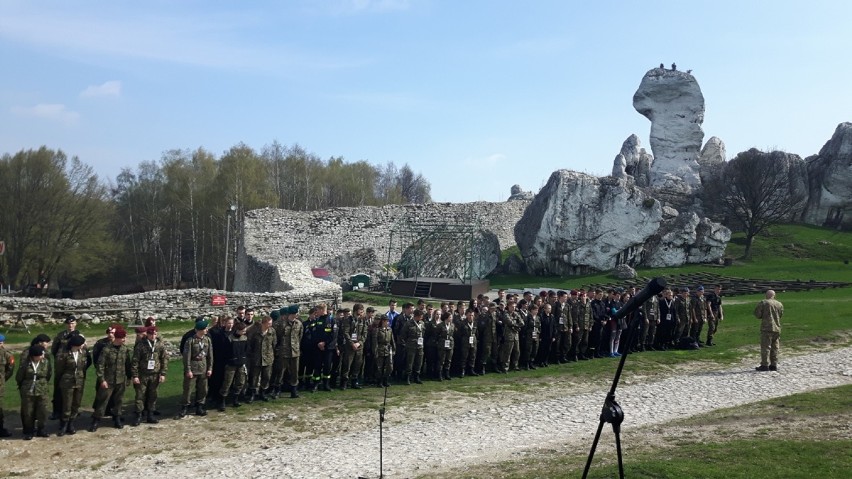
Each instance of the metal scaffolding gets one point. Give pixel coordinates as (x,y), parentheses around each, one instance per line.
(449,248)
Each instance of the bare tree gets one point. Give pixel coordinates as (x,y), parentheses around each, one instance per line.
(759,189)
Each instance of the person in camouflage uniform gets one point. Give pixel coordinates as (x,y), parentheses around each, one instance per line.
(148,370)
(59,344)
(383,349)
(262,342)
(651,310)
(716,313)
(584,325)
(682,313)
(7,370)
(197,368)
(33,379)
(510,349)
(354,334)
(486,327)
(531,337)
(71,366)
(445,341)
(769,312)
(412,337)
(466,342)
(698,312)
(289,350)
(113,371)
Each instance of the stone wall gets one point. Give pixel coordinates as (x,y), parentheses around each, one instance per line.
(166,305)
(349,240)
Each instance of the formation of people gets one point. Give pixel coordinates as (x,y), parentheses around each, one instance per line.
(243,358)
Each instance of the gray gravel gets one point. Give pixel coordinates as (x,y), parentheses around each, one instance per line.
(468,438)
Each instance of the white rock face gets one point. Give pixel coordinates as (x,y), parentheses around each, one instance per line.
(580,223)
(830,182)
(688,239)
(711,162)
(672,100)
(637,161)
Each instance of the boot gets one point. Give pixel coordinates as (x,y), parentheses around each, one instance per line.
(137,419)
(28,435)
(235,400)
(263,397)
(250,397)
(220,403)
(293,393)
(344,383)
(408,380)
(447,374)
(184,410)
(150,419)
(275,392)
(440,376)
(325,385)
(41,432)
(118,422)
(199,409)
(71,429)
(356,384)
(417,379)
(314,385)
(62,426)
(385,383)
(3,431)
(95,423)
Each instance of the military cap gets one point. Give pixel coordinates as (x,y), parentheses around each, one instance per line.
(199,325)
(140,330)
(293,309)
(150,330)
(275,314)
(76,340)
(371,309)
(2,338)
(71,319)
(120,333)
(36,350)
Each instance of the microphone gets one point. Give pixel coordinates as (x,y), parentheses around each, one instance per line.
(654,287)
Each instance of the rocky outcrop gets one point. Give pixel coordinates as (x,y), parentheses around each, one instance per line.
(687,239)
(633,160)
(711,162)
(518,194)
(579,224)
(672,100)
(830,182)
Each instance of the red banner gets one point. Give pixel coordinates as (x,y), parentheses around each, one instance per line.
(218,300)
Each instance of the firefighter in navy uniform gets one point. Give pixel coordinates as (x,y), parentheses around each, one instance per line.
(324,347)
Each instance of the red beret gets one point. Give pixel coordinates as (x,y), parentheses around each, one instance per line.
(120,333)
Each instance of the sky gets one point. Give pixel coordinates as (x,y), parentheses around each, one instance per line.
(475,95)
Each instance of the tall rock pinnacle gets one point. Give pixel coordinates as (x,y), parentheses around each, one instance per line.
(672,100)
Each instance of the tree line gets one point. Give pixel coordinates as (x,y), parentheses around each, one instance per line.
(164,224)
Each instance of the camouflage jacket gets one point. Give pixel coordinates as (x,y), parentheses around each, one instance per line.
(289,339)
(382,342)
(412,334)
(114,364)
(444,332)
(464,332)
(71,371)
(143,353)
(34,380)
(262,347)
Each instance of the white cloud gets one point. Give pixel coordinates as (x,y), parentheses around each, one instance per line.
(110,88)
(48,111)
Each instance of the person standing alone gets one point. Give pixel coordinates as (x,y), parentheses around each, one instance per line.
(769,311)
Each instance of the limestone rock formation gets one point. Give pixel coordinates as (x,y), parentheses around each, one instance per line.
(830,182)
(624,271)
(687,239)
(579,223)
(636,161)
(712,160)
(518,194)
(672,100)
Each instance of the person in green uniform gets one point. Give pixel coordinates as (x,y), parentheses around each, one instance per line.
(33,378)
(769,312)
(412,337)
(353,332)
(113,371)
(197,369)
(466,342)
(383,350)
(148,369)
(71,366)
(262,341)
(59,344)
(445,341)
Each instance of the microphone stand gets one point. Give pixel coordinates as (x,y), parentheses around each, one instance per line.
(611,412)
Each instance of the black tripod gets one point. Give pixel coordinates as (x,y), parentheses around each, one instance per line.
(611,411)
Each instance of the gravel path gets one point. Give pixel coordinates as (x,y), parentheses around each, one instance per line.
(463,439)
